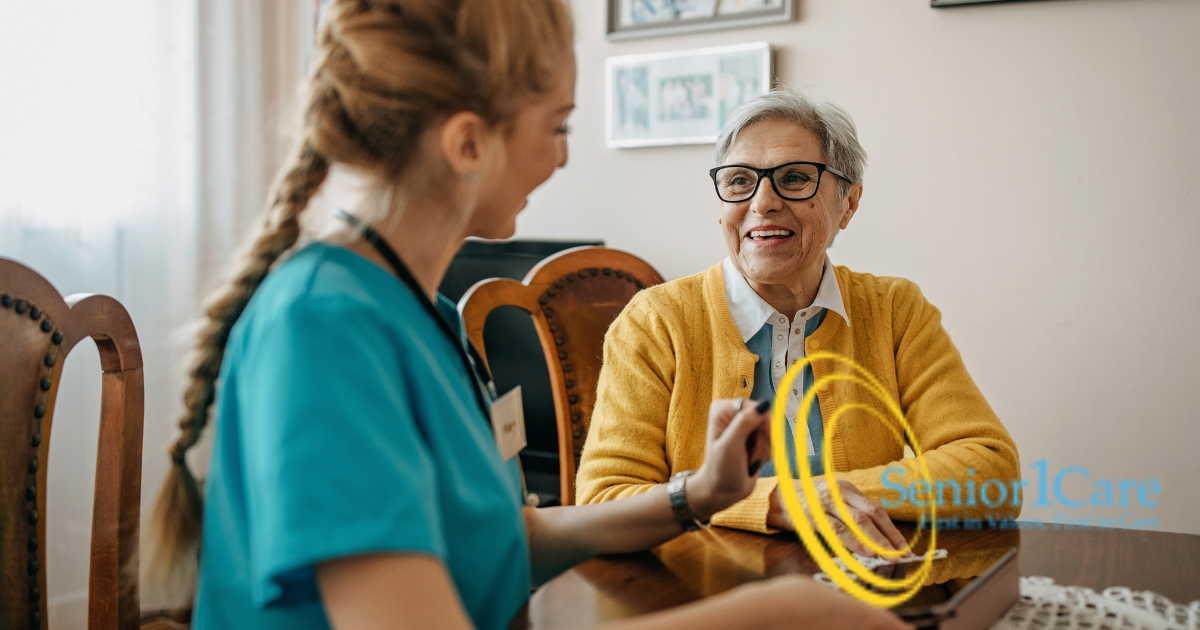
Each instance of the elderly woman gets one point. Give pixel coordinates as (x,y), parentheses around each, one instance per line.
(789,179)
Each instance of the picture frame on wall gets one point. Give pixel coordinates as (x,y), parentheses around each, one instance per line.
(960,3)
(680,97)
(630,19)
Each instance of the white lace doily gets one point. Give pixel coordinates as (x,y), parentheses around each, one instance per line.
(1046,605)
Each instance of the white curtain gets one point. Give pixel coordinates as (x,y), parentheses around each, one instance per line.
(252,59)
(137,142)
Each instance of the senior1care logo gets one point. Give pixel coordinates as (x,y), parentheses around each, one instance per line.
(998,500)
(1074,497)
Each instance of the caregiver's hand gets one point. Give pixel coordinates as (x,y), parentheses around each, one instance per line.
(738,442)
(869,515)
(791,601)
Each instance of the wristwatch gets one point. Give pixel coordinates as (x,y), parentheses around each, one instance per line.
(679,503)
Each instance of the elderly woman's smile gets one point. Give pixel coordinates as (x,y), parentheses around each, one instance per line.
(769,233)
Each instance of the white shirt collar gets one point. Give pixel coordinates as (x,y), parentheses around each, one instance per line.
(750,312)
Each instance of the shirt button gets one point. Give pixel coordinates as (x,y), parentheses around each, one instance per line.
(779,364)
(782,320)
(797,331)
(813,344)
(779,337)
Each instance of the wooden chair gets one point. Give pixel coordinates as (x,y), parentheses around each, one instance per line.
(573,297)
(37,330)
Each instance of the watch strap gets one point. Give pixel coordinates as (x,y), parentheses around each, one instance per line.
(679,504)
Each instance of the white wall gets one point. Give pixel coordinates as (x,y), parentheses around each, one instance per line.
(1032,167)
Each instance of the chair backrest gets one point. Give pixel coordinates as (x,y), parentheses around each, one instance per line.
(37,330)
(573,297)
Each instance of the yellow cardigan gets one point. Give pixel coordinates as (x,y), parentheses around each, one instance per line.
(675,349)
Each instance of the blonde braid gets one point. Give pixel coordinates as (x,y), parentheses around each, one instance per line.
(178,510)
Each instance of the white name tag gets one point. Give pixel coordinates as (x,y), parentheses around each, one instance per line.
(508,423)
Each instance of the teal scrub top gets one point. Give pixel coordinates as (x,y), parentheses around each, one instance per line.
(345,425)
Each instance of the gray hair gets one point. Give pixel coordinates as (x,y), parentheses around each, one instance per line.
(825,119)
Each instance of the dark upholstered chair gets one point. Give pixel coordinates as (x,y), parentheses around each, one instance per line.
(573,297)
(37,330)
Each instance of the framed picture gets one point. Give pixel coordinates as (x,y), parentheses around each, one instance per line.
(959,3)
(629,19)
(681,97)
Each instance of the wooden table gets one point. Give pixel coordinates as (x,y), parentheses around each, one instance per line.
(705,563)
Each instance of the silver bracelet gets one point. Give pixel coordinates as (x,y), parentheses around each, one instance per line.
(679,504)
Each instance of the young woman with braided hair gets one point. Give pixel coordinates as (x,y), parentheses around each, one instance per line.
(354,481)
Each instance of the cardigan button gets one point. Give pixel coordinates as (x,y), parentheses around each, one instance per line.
(813,344)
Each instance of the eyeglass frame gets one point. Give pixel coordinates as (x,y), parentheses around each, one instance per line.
(769,173)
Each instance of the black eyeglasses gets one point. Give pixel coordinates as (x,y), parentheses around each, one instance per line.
(794,181)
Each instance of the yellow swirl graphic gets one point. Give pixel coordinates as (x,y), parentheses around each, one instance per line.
(899,591)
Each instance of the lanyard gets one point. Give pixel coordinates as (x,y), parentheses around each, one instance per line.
(469,355)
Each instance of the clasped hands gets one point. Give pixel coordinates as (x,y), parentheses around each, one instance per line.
(738,441)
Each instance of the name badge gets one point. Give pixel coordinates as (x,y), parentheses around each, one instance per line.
(508,423)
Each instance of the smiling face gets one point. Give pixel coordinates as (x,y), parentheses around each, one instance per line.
(773,241)
(535,145)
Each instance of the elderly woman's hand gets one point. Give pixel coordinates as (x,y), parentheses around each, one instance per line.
(869,515)
(737,444)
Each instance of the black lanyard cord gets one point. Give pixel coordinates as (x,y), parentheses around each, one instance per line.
(473,364)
